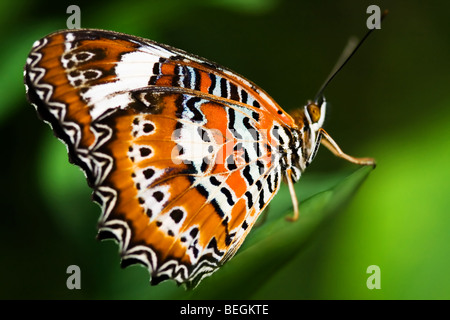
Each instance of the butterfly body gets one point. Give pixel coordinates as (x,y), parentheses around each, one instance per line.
(182,154)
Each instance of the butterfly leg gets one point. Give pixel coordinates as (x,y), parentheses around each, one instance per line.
(293,196)
(331,145)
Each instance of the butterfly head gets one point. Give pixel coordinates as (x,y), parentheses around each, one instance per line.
(315,116)
(315,113)
(309,120)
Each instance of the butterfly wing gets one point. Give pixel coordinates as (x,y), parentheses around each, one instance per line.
(181,153)
(188,190)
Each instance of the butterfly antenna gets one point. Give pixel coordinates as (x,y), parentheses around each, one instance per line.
(349,50)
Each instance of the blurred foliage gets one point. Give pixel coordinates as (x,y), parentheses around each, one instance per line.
(390,102)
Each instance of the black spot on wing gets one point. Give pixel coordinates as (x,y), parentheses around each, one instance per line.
(218,208)
(204,165)
(232,123)
(260,165)
(187,77)
(197,80)
(148,173)
(223,88)
(261,199)
(148,127)
(247,176)
(249,197)
(158,195)
(269,183)
(254,133)
(214,181)
(230,163)
(213,83)
(193,233)
(244,96)
(177,215)
(228,195)
(234,95)
(190,104)
(255,116)
(145,152)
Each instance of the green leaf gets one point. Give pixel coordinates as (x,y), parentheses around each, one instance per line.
(277,242)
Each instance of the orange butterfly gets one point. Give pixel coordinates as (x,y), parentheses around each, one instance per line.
(182,154)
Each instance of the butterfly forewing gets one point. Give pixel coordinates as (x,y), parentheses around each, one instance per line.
(181,153)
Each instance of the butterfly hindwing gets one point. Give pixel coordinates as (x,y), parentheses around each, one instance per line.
(188,191)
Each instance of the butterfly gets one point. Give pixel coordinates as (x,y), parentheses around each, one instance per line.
(182,154)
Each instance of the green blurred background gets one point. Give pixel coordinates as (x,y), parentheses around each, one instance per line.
(391,102)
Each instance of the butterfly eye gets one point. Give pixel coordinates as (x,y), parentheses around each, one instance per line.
(314,112)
